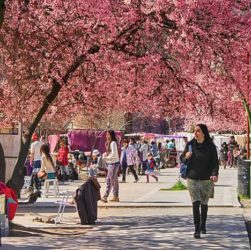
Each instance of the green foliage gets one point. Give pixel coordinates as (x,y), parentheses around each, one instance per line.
(178,186)
(243,197)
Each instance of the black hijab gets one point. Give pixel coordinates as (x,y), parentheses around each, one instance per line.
(208,139)
(205,131)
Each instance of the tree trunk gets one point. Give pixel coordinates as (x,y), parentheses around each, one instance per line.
(2,157)
(246,106)
(2,11)
(2,164)
(17,178)
(128,123)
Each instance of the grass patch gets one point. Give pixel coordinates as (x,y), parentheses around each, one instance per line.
(243,197)
(178,186)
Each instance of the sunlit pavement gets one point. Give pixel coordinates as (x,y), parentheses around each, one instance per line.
(136,226)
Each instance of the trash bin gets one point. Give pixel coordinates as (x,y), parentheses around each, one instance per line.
(243,177)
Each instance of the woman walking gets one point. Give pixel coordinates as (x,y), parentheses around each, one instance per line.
(112,159)
(200,156)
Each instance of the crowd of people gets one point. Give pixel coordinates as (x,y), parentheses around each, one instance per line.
(231,152)
(40,164)
(139,157)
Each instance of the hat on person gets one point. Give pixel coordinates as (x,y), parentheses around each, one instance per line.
(34,137)
(95,152)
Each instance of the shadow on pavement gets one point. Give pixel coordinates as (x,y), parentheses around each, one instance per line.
(168,232)
(149,232)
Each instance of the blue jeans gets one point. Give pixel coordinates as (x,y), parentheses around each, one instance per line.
(34,178)
(36,164)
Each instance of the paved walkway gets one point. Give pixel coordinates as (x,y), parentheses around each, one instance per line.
(143,228)
(146,218)
(143,194)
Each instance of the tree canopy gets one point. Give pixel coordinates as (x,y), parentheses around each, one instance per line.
(166,58)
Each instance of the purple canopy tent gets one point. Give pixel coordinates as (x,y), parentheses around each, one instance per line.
(87,140)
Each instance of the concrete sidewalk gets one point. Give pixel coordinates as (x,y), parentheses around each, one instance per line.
(146,218)
(141,228)
(169,229)
(143,194)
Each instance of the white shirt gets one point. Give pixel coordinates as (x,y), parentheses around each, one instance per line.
(113,156)
(35,149)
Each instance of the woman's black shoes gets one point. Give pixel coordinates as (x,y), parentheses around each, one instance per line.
(203,229)
(200,230)
(197,231)
(197,235)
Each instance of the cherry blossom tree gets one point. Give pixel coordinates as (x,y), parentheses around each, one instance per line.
(164,58)
(56,52)
(216,38)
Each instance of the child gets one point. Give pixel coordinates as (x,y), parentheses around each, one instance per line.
(98,165)
(224,154)
(236,154)
(28,166)
(150,167)
(93,170)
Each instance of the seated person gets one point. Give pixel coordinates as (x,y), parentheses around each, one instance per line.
(47,170)
(98,165)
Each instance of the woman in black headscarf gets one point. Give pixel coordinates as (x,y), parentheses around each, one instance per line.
(200,156)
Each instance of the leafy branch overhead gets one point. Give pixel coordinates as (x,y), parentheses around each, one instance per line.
(156,55)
